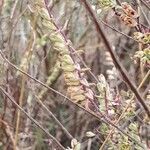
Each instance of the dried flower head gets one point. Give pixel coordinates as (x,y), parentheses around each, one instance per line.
(128,20)
(129,10)
(106,4)
(127,14)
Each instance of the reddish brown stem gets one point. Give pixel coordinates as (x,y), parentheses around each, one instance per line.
(114,57)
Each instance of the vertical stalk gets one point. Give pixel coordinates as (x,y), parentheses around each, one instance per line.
(19,112)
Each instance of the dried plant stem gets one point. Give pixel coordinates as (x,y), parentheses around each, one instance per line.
(24,64)
(144,79)
(113,28)
(146,18)
(145,3)
(127,106)
(97,116)
(115,59)
(18,111)
(32,119)
(14,9)
(53,116)
(5,125)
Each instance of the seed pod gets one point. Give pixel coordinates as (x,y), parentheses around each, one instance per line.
(129,10)
(128,20)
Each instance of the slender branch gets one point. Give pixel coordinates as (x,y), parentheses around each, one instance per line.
(33,120)
(115,59)
(145,3)
(53,116)
(19,112)
(99,117)
(145,16)
(113,28)
(14,9)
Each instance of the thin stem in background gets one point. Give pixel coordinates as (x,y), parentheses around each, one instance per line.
(32,119)
(4,125)
(18,111)
(145,3)
(146,17)
(113,28)
(14,9)
(53,116)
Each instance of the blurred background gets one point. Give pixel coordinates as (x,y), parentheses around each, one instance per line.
(25,42)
